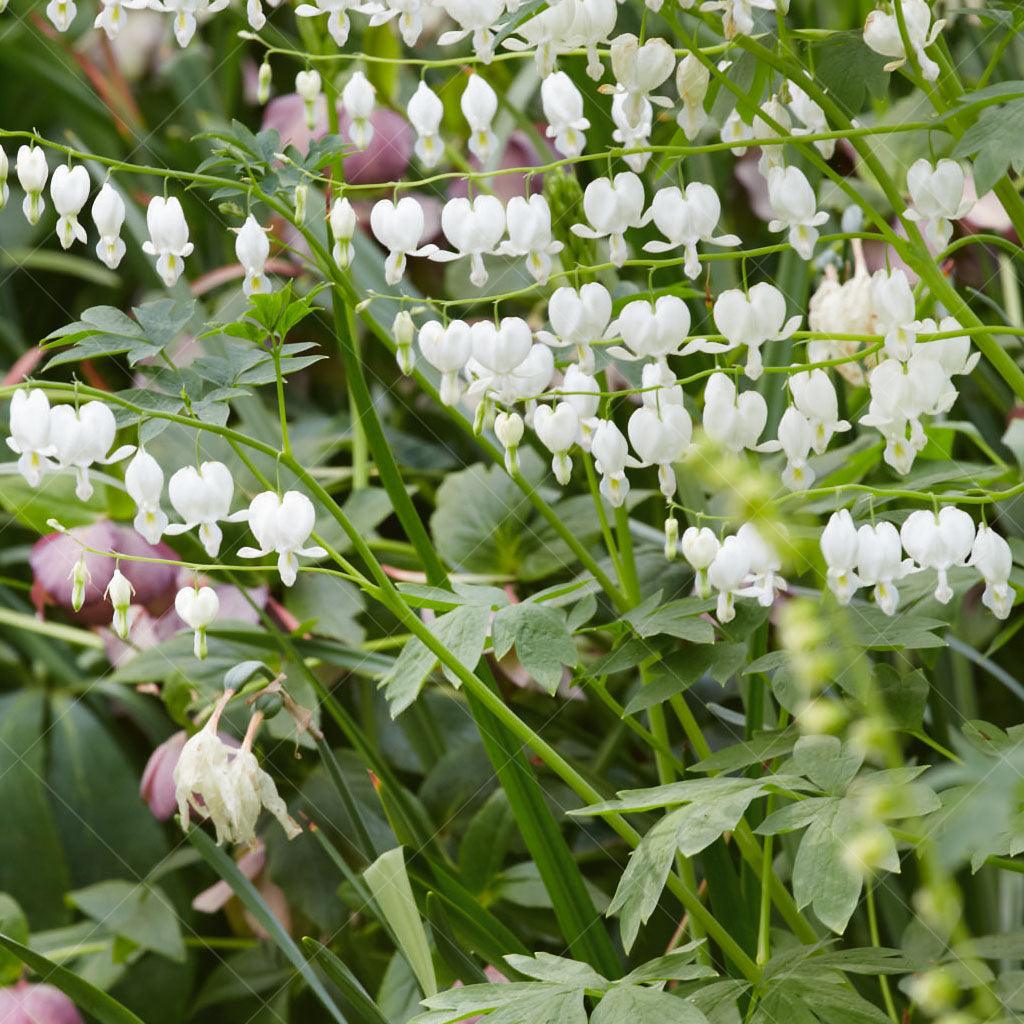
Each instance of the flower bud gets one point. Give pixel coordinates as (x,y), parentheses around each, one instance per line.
(509,428)
(307,85)
(80,578)
(119,591)
(671,537)
(198,608)
(301,192)
(263,83)
(404,331)
(268,704)
(343,227)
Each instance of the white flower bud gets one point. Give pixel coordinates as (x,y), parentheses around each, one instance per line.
(80,578)
(671,538)
(299,197)
(32,174)
(197,607)
(307,85)
(168,238)
(358,98)
(120,591)
(108,213)
(263,82)
(404,331)
(509,427)
(343,228)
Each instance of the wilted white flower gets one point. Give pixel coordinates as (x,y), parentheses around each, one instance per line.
(613,206)
(686,218)
(32,174)
(425,112)
(144,482)
(168,238)
(202,497)
(359,98)
(282,524)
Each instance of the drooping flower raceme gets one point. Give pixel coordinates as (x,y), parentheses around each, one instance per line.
(252,247)
(447,350)
(796,209)
(144,482)
(937,196)
(168,238)
(80,438)
(202,497)
(563,110)
(425,111)
(30,434)
(529,235)
(840,547)
(479,104)
(686,218)
(108,213)
(939,541)
(69,189)
(282,524)
(399,228)
(613,206)
(992,557)
(474,228)
(579,318)
(32,174)
(750,319)
(358,99)
(882,34)
(197,607)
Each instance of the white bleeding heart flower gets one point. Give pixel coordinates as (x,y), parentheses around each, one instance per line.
(563,110)
(796,438)
(737,15)
(765,564)
(69,190)
(403,330)
(529,235)
(447,350)
(728,573)
(939,541)
(61,13)
(358,99)
(771,122)
(692,79)
(751,319)
(32,172)
(733,420)
(519,384)
(661,436)
(593,22)
(634,121)
(893,301)
(700,546)
(474,229)
(168,238)
(184,20)
(795,207)
(309,87)
(954,353)
(30,434)
(198,608)
(583,393)
(812,117)
(842,309)
(639,69)
(479,104)
(613,206)
(343,229)
(501,349)
(815,396)
(509,429)
(120,592)
(409,14)
(659,387)
(992,557)
(579,318)
(882,34)
(880,563)
(547,35)
(651,330)
(686,218)
(505,361)
(611,457)
(81,438)
(736,131)
(558,430)
(475,18)
(108,213)
(425,112)
(399,228)
(938,195)
(840,548)
(338,22)
(252,248)
(282,524)
(202,497)
(144,482)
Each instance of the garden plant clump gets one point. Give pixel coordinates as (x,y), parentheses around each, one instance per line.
(513,511)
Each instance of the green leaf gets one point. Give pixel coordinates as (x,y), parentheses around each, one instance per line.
(680,619)
(849,70)
(905,695)
(635,1004)
(675,966)
(389,883)
(677,673)
(828,763)
(13,923)
(559,969)
(86,997)
(996,140)
(532,1002)
(367,1011)
(140,913)
(542,640)
(330,605)
(763,746)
